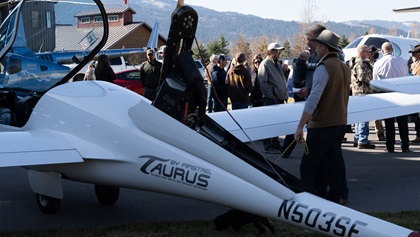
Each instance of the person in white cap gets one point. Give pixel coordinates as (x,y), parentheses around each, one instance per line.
(273,87)
(325,116)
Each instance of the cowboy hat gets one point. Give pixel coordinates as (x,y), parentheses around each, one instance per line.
(328,38)
(416,49)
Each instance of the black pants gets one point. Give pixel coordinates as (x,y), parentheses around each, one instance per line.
(390,132)
(274,141)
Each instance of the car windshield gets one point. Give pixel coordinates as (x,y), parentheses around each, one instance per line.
(39,40)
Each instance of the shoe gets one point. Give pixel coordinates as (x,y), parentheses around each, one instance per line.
(366,146)
(389,151)
(354,144)
(277,146)
(381,137)
(271,150)
(416,140)
(406,150)
(343,201)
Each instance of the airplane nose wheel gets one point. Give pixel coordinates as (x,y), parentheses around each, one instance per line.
(107,195)
(47,205)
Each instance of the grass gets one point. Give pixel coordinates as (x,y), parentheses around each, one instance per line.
(410,220)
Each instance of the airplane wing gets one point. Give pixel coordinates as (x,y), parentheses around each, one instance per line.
(24,148)
(411,9)
(409,84)
(276,120)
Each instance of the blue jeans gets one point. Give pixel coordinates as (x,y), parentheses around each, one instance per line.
(322,171)
(361,133)
(239,105)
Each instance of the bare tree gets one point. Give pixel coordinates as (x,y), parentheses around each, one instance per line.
(371,31)
(352,37)
(307,15)
(259,46)
(415,30)
(393,30)
(241,45)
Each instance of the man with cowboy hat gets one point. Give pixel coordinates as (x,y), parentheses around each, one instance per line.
(325,115)
(415,71)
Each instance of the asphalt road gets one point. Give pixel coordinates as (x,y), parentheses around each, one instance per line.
(378,181)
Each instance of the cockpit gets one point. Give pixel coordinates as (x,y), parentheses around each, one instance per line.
(33,29)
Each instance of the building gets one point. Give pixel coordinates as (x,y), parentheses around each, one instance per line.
(123,32)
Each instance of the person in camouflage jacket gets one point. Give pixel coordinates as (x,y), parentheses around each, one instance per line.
(361,74)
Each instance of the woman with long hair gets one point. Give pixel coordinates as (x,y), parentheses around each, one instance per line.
(103,70)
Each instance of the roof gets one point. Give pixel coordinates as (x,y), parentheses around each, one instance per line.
(118,10)
(71,38)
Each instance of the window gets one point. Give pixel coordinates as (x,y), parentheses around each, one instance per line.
(48,16)
(115,61)
(97,19)
(36,22)
(354,43)
(85,20)
(113,18)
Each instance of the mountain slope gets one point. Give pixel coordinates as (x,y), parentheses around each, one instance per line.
(212,23)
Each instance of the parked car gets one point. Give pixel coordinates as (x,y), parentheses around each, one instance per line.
(200,67)
(401,45)
(130,79)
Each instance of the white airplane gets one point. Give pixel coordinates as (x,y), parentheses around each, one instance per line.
(99,133)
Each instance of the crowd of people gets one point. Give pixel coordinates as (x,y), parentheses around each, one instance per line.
(324,82)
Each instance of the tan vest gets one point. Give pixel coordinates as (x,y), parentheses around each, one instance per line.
(415,68)
(332,107)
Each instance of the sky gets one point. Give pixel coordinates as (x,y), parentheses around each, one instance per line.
(327,10)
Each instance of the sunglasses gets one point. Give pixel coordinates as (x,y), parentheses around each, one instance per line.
(257,62)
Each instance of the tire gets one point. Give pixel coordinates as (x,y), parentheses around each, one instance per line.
(47,205)
(107,195)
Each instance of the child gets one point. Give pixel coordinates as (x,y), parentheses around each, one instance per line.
(90,73)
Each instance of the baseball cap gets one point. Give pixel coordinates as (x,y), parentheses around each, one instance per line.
(275,46)
(150,51)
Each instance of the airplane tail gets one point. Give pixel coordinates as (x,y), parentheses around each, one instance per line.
(154,37)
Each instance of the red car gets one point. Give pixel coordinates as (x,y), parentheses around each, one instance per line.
(130,79)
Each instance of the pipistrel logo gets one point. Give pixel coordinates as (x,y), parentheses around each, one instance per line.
(175,171)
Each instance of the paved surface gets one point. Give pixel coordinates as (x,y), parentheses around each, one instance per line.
(378,181)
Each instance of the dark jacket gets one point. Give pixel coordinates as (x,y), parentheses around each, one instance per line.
(150,74)
(303,72)
(239,84)
(218,79)
(106,74)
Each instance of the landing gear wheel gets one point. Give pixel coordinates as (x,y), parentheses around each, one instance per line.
(107,195)
(47,205)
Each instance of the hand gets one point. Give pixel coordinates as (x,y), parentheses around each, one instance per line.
(305,55)
(299,135)
(303,92)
